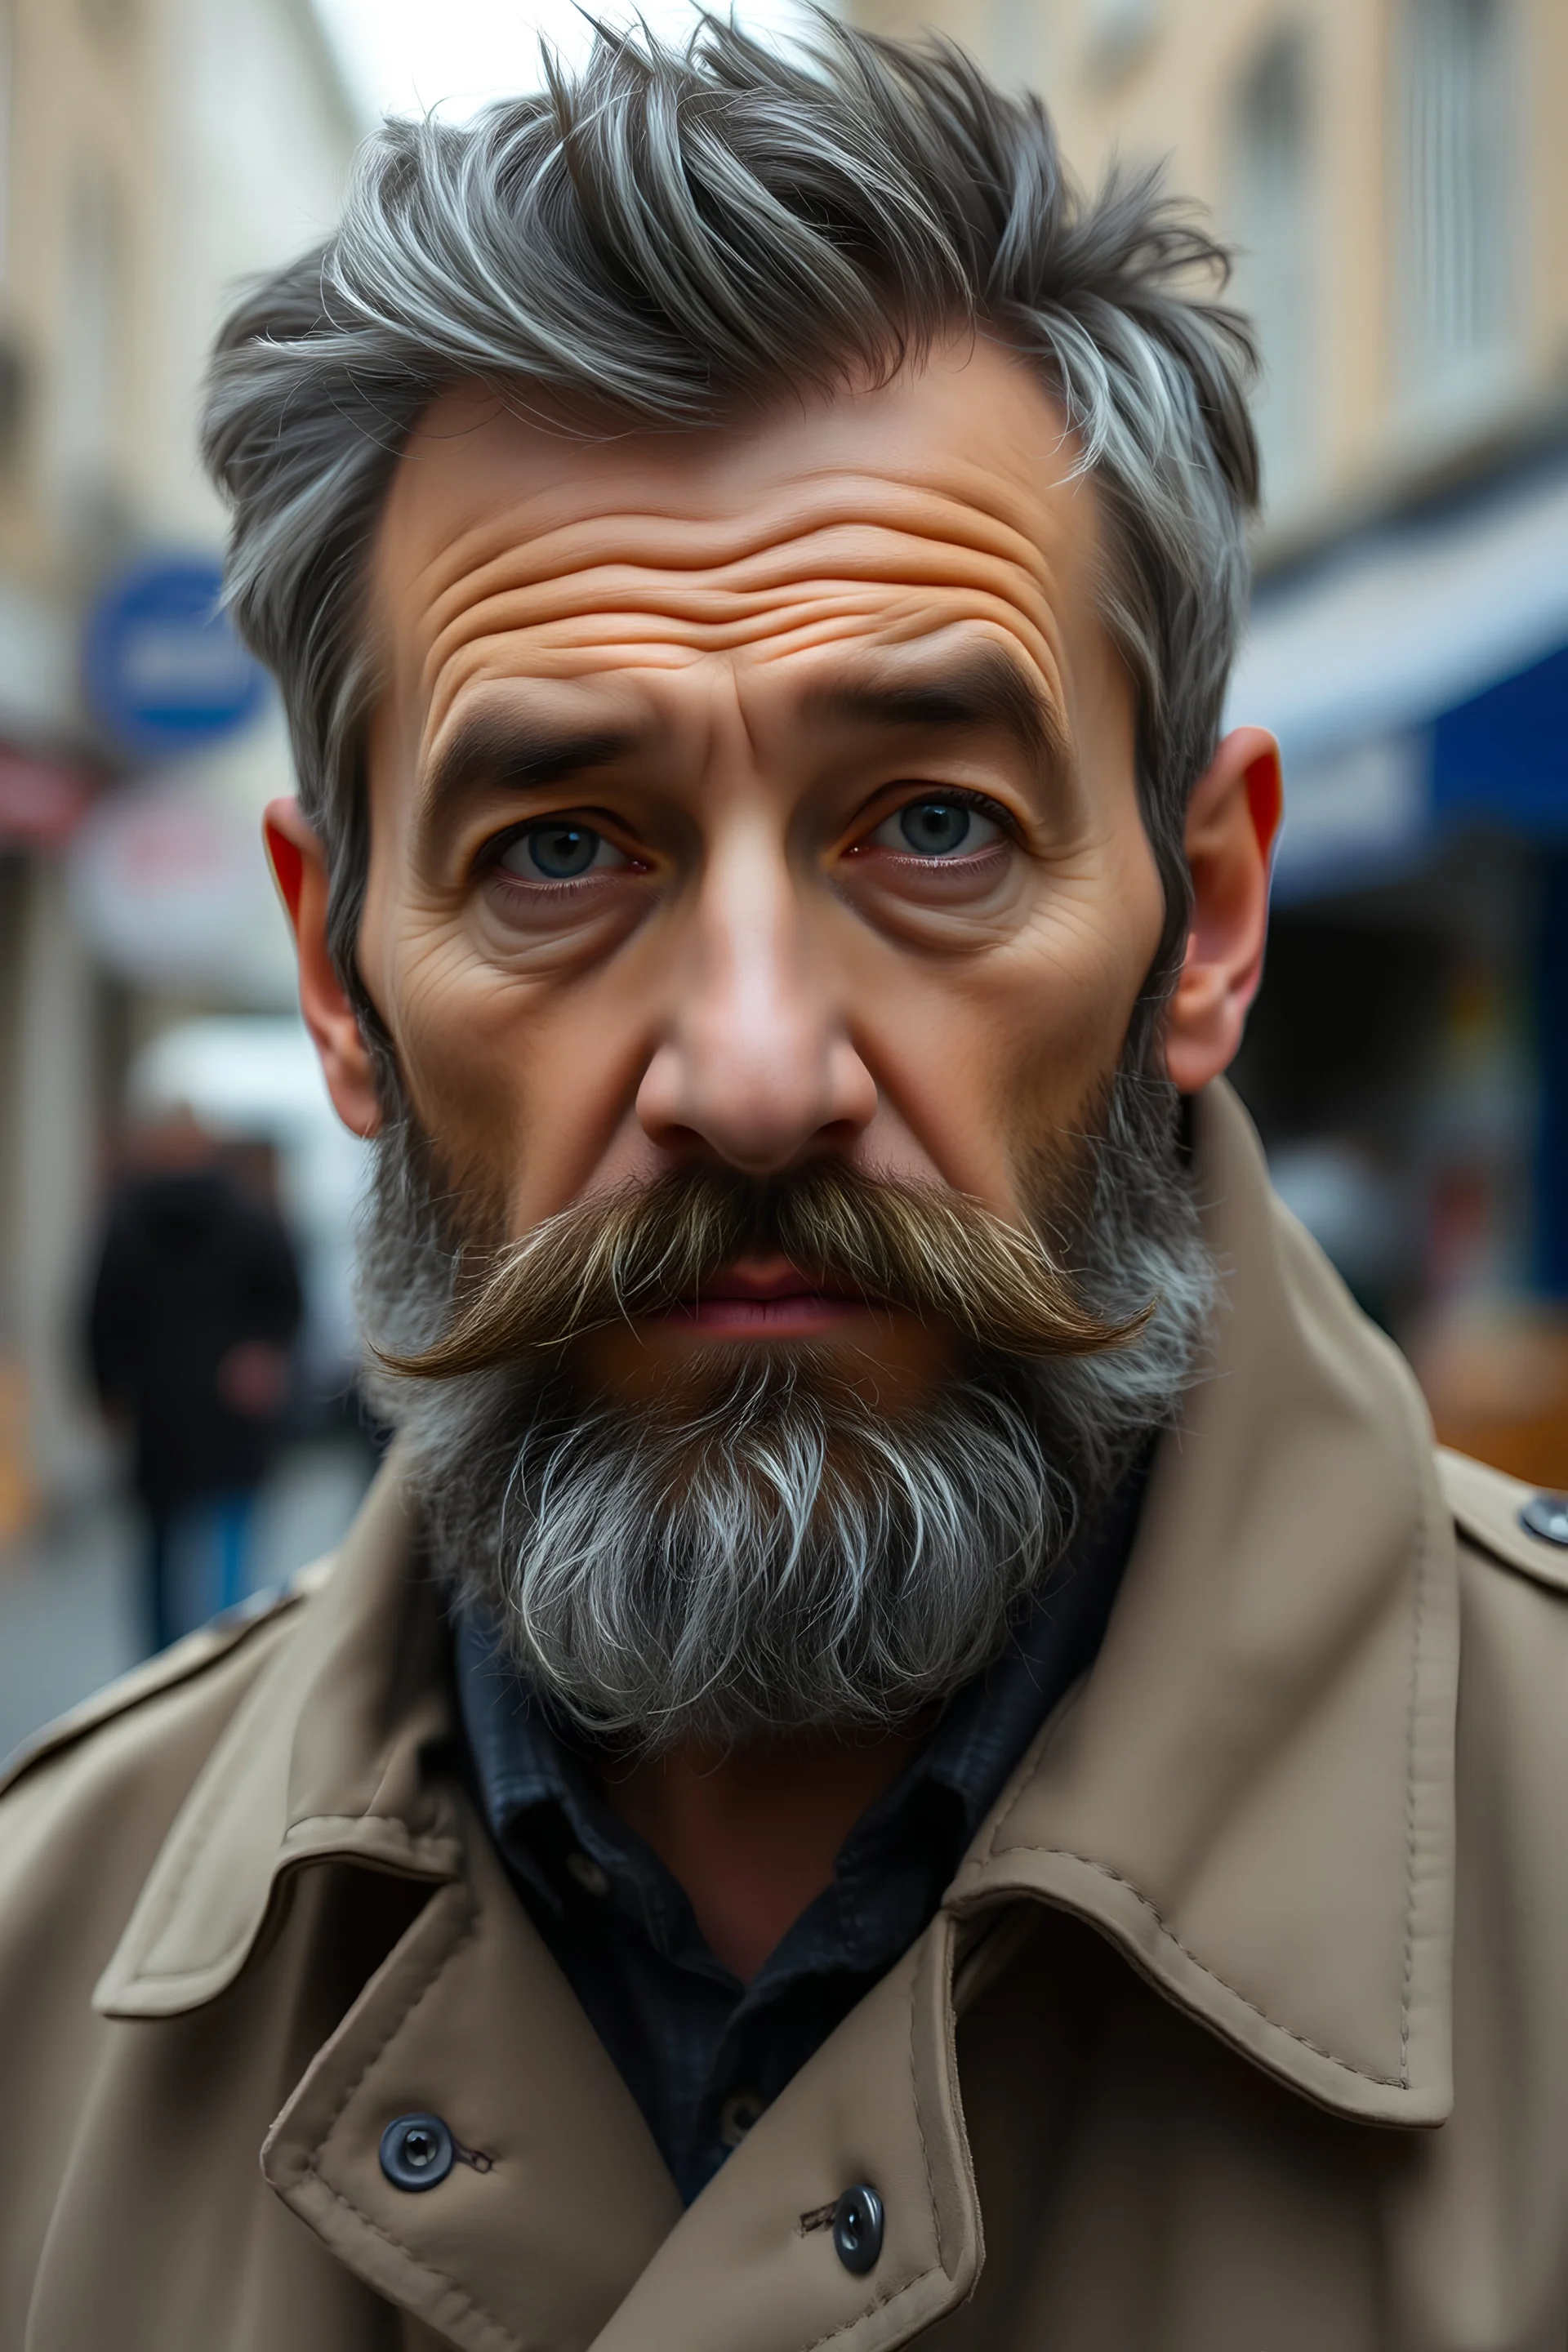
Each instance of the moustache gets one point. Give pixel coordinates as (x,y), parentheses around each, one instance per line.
(649,1249)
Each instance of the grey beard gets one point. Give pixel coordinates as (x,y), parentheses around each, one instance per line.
(782,1554)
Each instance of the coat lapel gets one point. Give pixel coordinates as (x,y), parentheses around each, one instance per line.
(1252,1794)
(751,2267)
(532,2247)
(324,1760)
(569,2231)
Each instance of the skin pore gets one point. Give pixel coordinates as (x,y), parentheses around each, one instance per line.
(747,796)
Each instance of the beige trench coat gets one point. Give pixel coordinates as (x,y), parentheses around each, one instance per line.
(1243,2028)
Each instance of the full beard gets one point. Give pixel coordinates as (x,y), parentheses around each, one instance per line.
(763,1548)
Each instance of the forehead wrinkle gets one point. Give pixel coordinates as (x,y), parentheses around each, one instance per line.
(901,453)
(471,562)
(715,615)
(710,615)
(591,653)
(724,583)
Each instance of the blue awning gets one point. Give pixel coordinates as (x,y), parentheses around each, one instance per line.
(1417,679)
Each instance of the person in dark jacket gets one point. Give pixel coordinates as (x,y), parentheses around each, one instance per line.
(195,1304)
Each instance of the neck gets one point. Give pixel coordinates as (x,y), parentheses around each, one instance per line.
(751,1833)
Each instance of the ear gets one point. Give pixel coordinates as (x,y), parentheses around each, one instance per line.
(299,864)
(1232,820)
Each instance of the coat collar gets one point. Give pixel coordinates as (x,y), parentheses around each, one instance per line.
(324,1759)
(1253,1792)
(1251,1795)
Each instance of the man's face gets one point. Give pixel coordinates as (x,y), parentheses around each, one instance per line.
(744,797)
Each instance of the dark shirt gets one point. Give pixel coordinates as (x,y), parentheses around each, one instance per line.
(701,2053)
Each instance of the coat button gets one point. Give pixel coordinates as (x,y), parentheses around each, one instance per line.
(417,2151)
(590,1875)
(857,2229)
(1546,1517)
(737,2116)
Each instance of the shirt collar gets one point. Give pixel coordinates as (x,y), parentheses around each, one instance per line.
(526,1767)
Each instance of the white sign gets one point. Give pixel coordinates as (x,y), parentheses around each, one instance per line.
(169,883)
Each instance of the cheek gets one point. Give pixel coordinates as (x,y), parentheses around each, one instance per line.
(522,1084)
(520,1080)
(463,1050)
(465,1057)
(978,1063)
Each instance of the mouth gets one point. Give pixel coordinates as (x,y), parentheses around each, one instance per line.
(767,1299)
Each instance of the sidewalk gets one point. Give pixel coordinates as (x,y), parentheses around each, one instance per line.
(68,1603)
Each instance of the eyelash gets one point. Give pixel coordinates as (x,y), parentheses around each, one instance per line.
(488,859)
(490,853)
(960,796)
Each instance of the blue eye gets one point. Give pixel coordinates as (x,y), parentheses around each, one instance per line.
(937,828)
(557,850)
(934,828)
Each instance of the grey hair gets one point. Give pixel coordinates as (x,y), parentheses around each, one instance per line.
(669,237)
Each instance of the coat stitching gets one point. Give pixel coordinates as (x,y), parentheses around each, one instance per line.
(877,2302)
(426,2270)
(881,2302)
(424,1863)
(197,1832)
(443,2278)
(920,2118)
(417,1992)
(1400,2082)
(199,1828)
(113,1704)
(1407,1981)
(1303,2040)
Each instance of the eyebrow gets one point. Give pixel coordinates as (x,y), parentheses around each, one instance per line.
(493,752)
(985,689)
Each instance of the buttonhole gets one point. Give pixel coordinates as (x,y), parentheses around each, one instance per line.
(819,2217)
(476,2158)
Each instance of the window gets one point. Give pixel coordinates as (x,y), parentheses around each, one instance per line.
(7,76)
(1456,272)
(1116,32)
(1271,212)
(85,396)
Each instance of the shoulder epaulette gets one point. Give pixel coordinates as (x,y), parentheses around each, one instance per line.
(1515,1523)
(181,1662)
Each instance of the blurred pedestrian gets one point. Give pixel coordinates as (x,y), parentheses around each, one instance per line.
(194,1303)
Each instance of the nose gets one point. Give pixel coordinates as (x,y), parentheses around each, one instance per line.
(755,1062)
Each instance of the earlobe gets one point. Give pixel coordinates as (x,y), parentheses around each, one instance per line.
(1232,820)
(298,864)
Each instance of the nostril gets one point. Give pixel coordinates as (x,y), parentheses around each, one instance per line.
(758,1103)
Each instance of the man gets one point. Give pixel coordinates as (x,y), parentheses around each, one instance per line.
(194,1303)
(881,1765)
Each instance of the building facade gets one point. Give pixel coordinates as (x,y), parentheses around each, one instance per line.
(153,154)
(1394,174)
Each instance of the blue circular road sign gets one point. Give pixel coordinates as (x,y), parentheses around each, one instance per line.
(164,671)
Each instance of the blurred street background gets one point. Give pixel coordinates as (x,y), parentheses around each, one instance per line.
(1395,174)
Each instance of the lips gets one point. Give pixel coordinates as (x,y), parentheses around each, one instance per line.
(773,1280)
(770,1298)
